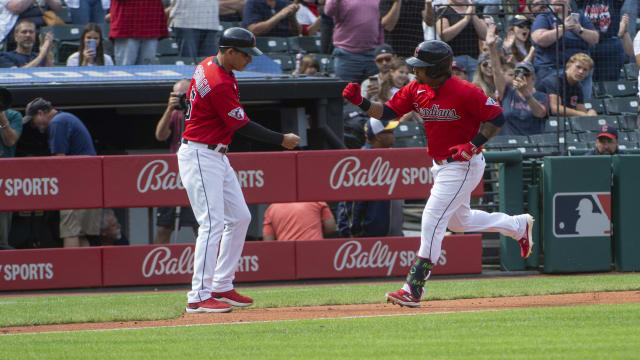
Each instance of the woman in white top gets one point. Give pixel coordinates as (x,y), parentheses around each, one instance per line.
(91,50)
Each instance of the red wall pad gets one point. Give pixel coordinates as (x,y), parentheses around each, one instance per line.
(68,182)
(383,257)
(173,264)
(50,269)
(336,175)
(154,180)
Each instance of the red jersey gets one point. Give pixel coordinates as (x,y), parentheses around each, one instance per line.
(214,112)
(452,115)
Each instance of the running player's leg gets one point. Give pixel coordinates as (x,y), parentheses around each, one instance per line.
(236,219)
(202,173)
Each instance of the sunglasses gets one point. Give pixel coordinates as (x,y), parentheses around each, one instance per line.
(385,59)
(485,64)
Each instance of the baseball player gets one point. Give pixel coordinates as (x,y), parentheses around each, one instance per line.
(458,119)
(212,116)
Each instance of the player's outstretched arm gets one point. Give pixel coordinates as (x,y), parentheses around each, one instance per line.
(376,109)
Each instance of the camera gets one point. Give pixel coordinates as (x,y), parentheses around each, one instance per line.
(5,99)
(182,101)
(519,72)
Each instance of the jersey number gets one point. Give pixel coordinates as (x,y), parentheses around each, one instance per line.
(187,114)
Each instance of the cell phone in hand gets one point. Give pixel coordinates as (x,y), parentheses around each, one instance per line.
(91,44)
(575,17)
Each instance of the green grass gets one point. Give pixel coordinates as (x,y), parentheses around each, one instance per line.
(582,332)
(167,305)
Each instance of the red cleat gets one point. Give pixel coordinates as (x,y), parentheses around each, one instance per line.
(526,242)
(208,306)
(402,298)
(232,297)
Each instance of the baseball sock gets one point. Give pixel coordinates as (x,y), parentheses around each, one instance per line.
(418,275)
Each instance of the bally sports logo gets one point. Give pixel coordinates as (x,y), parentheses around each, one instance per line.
(348,173)
(156,176)
(351,255)
(161,262)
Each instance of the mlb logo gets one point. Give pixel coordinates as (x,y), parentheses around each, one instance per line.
(582,214)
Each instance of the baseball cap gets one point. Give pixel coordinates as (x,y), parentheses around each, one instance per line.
(527,66)
(455,65)
(608,131)
(374,126)
(33,107)
(383,49)
(520,20)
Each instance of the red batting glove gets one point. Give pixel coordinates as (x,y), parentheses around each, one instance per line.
(351,92)
(464,152)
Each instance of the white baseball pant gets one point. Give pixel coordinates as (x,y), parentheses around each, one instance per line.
(448,206)
(222,213)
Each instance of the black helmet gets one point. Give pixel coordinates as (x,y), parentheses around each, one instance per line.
(430,53)
(240,39)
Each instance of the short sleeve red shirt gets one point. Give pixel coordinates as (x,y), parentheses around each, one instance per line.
(452,115)
(214,112)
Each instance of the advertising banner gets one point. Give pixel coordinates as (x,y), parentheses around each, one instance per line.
(63,182)
(50,269)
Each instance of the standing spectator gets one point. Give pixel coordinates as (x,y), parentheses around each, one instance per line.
(460,27)
(326,30)
(170,126)
(136,27)
(110,230)
(577,70)
(402,22)
(636,52)
(524,109)
(308,17)
(379,217)
(196,25)
(298,221)
(10,131)
(613,41)
(24,56)
(68,136)
(357,31)
(384,55)
(88,11)
(607,142)
(549,28)
(91,51)
(271,18)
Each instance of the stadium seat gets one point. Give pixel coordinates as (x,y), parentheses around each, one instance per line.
(621,106)
(509,141)
(551,125)
(409,134)
(175,60)
(627,136)
(544,139)
(631,71)
(167,47)
(270,44)
(592,123)
(65,15)
(615,88)
(595,104)
(627,122)
(286,61)
(306,44)
(627,145)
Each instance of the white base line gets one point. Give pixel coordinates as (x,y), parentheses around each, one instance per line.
(249,322)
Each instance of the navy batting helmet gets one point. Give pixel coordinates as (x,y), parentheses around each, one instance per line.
(241,40)
(433,54)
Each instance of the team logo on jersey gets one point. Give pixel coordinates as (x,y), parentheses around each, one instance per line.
(490,101)
(582,214)
(237,113)
(436,114)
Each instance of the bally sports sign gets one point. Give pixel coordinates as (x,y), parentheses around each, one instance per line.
(260,261)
